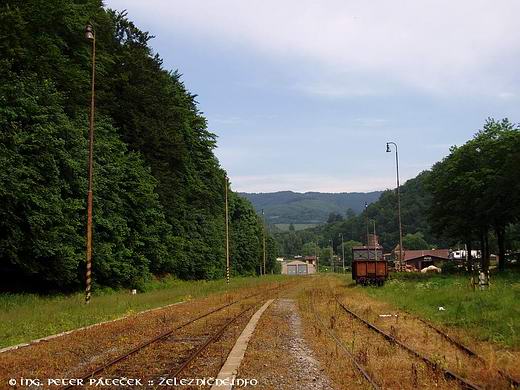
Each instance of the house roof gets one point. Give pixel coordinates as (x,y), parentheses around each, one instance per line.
(296,262)
(415,254)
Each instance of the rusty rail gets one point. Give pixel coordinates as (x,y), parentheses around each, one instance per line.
(211,339)
(447,373)
(161,336)
(512,381)
(340,344)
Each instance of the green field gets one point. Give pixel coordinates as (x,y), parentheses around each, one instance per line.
(284,227)
(25,317)
(491,315)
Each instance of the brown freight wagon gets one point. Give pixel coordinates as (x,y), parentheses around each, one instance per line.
(368,265)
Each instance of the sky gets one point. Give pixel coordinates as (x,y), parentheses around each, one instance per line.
(303,95)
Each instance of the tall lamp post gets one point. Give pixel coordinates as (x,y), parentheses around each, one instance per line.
(90,36)
(388,150)
(342,252)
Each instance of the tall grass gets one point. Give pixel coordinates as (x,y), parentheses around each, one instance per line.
(491,315)
(24,317)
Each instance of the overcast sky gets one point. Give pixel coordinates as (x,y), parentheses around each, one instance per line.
(303,95)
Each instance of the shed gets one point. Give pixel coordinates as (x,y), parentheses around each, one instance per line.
(297,267)
(420,259)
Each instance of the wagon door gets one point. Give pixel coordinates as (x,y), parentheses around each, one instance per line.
(371,268)
(381,270)
(361,269)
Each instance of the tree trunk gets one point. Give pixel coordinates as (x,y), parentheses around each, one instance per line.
(501,233)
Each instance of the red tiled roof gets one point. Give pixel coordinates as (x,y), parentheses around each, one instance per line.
(415,254)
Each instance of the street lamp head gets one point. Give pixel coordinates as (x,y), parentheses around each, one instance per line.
(89,32)
(388,148)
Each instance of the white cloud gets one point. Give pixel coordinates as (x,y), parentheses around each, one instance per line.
(334,90)
(506,95)
(440,46)
(371,122)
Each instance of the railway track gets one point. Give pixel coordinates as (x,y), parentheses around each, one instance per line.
(211,339)
(514,383)
(170,332)
(344,348)
(448,374)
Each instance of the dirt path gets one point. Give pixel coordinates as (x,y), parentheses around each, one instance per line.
(278,355)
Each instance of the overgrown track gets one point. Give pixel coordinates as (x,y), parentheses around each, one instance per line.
(342,346)
(448,374)
(169,332)
(513,382)
(211,339)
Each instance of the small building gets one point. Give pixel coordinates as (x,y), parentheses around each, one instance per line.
(297,267)
(419,259)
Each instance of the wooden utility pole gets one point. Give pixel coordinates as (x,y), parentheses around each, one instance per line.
(90,35)
(227,229)
(343,252)
(263,225)
(368,241)
(375,241)
(316,256)
(332,255)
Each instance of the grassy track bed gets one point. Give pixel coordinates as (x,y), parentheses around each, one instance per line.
(79,353)
(380,357)
(490,315)
(25,317)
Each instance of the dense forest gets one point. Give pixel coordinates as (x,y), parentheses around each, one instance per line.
(158,187)
(470,198)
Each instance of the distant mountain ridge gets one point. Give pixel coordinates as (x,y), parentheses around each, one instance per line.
(285,207)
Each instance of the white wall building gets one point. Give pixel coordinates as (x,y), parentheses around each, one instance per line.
(297,267)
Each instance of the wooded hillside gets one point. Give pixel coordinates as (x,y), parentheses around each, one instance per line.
(286,207)
(158,187)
